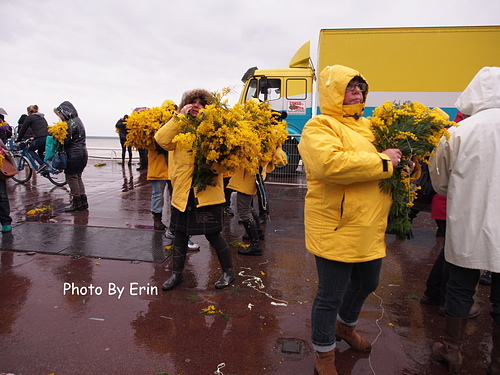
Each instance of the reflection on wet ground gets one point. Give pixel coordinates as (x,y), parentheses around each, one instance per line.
(80,293)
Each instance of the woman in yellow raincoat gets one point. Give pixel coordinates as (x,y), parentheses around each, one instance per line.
(345,210)
(244,183)
(194,211)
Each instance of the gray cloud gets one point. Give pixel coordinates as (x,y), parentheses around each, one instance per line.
(110,56)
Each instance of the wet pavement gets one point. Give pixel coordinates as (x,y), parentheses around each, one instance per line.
(80,293)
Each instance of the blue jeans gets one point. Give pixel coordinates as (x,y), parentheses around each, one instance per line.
(461,288)
(157,195)
(342,291)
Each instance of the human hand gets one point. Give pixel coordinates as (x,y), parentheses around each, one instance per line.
(394,154)
(185,110)
(411,164)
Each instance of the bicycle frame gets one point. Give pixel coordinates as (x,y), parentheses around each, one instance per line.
(25,156)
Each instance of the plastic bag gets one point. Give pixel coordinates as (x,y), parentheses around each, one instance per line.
(50,148)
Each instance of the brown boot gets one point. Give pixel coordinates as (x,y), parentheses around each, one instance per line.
(350,336)
(494,367)
(158,225)
(324,363)
(449,350)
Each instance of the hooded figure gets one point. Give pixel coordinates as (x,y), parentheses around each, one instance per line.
(76,150)
(465,169)
(345,211)
(193,211)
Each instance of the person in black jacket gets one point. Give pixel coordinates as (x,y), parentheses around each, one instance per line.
(76,150)
(37,123)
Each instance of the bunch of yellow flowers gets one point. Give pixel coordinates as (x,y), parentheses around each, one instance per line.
(59,131)
(245,136)
(143,124)
(416,130)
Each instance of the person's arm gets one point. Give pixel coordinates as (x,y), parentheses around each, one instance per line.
(166,134)
(439,169)
(23,127)
(327,159)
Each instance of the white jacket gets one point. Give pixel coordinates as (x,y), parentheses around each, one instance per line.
(467,170)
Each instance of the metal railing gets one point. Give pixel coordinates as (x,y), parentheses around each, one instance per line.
(293,173)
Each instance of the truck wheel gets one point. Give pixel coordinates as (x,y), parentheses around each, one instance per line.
(293,158)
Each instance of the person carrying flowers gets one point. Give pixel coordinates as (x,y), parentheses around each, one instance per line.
(195,210)
(245,184)
(75,146)
(345,210)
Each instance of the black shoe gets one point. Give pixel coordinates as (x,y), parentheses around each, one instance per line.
(426,300)
(253,249)
(485,278)
(262,219)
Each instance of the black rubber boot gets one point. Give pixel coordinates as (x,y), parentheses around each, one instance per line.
(226,263)
(158,225)
(85,204)
(253,234)
(262,236)
(76,204)
(179,258)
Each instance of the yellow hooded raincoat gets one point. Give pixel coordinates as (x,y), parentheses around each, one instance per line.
(244,182)
(181,171)
(345,211)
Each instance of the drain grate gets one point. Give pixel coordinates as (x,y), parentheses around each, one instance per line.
(290,348)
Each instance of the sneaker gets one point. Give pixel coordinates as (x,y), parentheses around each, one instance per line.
(193,246)
(6,228)
(169,236)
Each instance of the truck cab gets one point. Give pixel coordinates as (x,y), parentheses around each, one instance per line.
(290,92)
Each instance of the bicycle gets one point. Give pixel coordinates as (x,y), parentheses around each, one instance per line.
(26,163)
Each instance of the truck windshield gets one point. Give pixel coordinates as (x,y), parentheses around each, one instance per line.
(271,90)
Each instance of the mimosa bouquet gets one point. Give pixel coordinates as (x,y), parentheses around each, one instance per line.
(143,124)
(59,131)
(415,130)
(240,137)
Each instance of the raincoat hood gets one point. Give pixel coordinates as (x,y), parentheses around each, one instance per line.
(189,96)
(333,81)
(483,92)
(67,110)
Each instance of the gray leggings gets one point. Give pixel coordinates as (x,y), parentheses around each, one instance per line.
(75,184)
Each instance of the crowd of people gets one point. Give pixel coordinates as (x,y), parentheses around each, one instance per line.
(346,212)
(34,129)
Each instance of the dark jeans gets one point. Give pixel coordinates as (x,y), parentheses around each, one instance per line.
(342,290)
(5,218)
(461,288)
(437,279)
(38,145)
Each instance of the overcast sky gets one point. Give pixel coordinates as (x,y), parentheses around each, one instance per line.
(109,56)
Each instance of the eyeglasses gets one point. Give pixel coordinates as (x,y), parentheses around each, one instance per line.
(361,86)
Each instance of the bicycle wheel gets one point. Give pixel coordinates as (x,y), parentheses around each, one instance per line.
(58,178)
(24,168)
